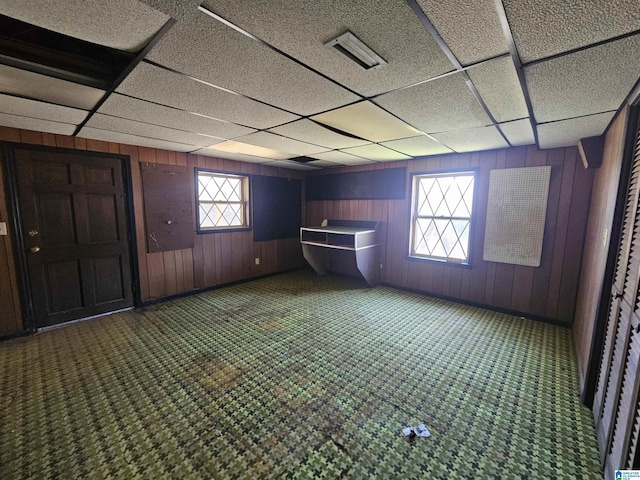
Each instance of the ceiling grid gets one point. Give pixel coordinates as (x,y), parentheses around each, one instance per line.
(256,83)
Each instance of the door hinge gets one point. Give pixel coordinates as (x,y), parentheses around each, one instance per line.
(133,287)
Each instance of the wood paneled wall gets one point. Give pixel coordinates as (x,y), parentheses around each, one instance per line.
(547,291)
(597,240)
(216,259)
(10,311)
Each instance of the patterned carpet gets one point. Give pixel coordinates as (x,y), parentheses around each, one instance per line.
(295,376)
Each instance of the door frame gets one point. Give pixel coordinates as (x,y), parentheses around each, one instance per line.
(24,280)
(596,349)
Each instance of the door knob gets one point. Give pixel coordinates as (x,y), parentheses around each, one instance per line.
(35,249)
(32,233)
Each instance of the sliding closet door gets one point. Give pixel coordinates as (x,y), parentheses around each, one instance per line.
(616,404)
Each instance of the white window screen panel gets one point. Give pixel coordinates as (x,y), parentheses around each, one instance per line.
(516,213)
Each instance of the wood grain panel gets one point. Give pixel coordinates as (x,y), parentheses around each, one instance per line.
(479,273)
(11,318)
(539,294)
(215,258)
(28,136)
(562,228)
(574,244)
(547,291)
(597,240)
(49,139)
(138,208)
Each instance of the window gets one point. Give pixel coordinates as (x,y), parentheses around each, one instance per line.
(223,201)
(441,216)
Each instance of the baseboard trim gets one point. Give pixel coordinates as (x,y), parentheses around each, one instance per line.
(153,301)
(507,311)
(11,336)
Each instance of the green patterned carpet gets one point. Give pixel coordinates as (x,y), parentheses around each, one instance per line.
(295,376)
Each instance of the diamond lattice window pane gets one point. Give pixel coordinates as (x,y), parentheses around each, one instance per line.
(228,190)
(221,200)
(440,196)
(206,216)
(443,216)
(203,190)
(232,215)
(465,189)
(424,187)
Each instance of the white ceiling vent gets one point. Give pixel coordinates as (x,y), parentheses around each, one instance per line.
(348,46)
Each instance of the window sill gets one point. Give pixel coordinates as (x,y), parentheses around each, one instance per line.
(438,261)
(224,230)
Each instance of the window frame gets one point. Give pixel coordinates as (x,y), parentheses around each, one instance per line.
(247,201)
(472,219)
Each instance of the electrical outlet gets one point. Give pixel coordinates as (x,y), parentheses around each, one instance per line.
(3,228)
(257,261)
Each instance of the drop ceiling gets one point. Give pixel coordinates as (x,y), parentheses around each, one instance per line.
(253,81)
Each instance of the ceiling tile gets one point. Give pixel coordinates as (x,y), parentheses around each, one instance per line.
(498,84)
(376,152)
(122,125)
(301,28)
(471,30)
(277,142)
(127,139)
(209,50)
(518,132)
(437,106)
(472,140)
(45,111)
(134,109)
(48,89)
(183,9)
(253,150)
(158,85)
(120,24)
(418,146)
(341,158)
(541,29)
(366,120)
(28,123)
(324,163)
(210,152)
(590,81)
(312,132)
(292,165)
(565,133)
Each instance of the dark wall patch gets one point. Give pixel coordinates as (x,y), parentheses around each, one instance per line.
(387,183)
(277,207)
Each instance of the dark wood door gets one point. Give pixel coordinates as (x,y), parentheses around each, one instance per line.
(74,225)
(616,406)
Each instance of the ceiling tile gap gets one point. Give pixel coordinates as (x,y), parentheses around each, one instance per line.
(144,136)
(515,56)
(444,75)
(186,111)
(161,126)
(33,99)
(579,116)
(209,84)
(434,33)
(452,58)
(580,49)
(134,63)
(35,118)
